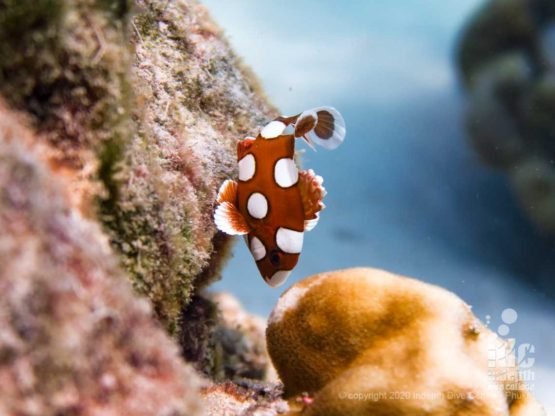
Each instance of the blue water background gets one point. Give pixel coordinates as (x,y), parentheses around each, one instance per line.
(406,192)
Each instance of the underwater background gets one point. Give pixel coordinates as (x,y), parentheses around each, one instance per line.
(406,192)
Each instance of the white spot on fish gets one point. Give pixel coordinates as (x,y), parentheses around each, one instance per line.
(257,205)
(286,173)
(247,167)
(257,249)
(289,241)
(273,129)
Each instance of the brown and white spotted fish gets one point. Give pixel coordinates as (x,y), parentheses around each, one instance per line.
(273,203)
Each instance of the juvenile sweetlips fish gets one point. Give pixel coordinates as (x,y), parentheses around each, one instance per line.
(273,203)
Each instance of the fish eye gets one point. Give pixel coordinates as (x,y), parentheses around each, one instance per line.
(275,258)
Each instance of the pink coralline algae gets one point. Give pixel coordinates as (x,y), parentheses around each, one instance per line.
(74,339)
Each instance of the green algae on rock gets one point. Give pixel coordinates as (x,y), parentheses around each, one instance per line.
(139,106)
(66,64)
(242,339)
(506,63)
(367,342)
(223,340)
(193,103)
(74,339)
(135,111)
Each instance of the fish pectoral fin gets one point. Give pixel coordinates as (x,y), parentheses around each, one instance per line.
(227,217)
(312,195)
(229,220)
(227,192)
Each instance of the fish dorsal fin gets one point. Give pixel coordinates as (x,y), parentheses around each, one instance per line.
(312,195)
(323,126)
(227,217)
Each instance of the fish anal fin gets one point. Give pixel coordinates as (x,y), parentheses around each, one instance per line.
(312,195)
(229,220)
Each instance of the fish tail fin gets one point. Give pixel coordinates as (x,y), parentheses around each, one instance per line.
(323,126)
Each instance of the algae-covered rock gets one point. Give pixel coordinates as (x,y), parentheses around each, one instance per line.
(507,64)
(134,112)
(139,105)
(534,181)
(74,339)
(230,399)
(66,64)
(241,336)
(367,342)
(194,103)
(223,340)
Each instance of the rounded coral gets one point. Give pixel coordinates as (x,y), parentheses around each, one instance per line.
(367,342)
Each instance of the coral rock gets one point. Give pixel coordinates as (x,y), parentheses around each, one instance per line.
(224,341)
(534,181)
(367,342)
(193,102)
(74,339)
(230,399)
(66,64)
(242,339)
(506,61)
(140,107)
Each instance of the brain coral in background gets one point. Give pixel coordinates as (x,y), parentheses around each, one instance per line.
(507,59)
(366,342)
(139,104)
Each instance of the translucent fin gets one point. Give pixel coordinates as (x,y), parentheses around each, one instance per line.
(227,192)
(312,195)
(323,126)
(310,224)
(227,217)
(305,123)
(229,220)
